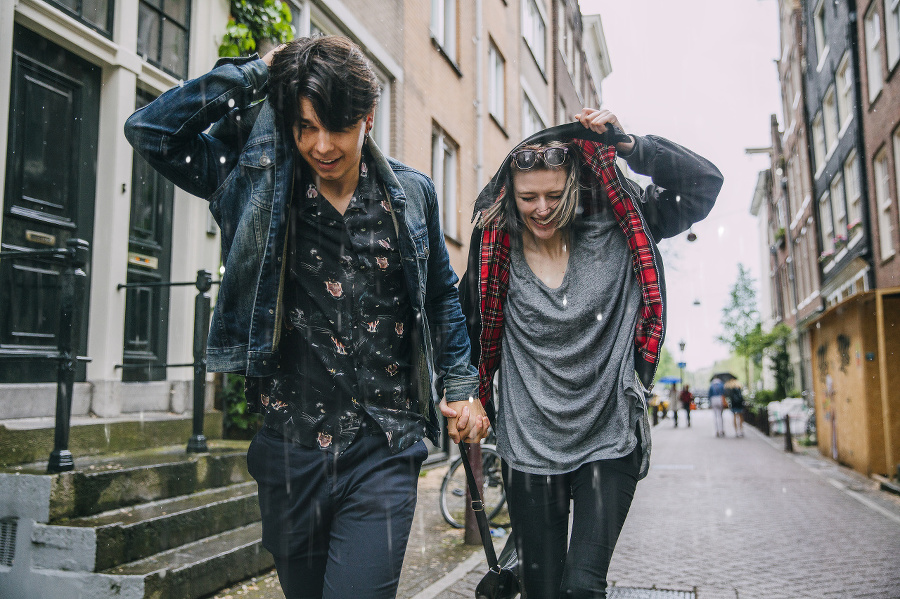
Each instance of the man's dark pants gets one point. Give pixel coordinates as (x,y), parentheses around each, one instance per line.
(337,525)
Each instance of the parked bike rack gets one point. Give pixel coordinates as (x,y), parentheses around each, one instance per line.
(203,283)
(74,257)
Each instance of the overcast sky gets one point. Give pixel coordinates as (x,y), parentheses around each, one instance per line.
(701,73)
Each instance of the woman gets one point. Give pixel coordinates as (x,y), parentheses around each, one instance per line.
(717,404)
(565,293)
(736,403)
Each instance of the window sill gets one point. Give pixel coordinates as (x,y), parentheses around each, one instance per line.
(452,240)
(822,59)
(499,125)
(888,258)
(437,46)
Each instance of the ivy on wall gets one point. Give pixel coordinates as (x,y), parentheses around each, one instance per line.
(253,22)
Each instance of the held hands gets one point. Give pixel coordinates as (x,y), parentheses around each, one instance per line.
(597,120)
(466,420)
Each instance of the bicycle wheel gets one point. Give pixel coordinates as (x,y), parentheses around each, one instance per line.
(453,498)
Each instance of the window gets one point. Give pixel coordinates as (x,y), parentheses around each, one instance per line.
(892,20)
(830,117)
(562,30)
(97,14)
(826,225)
(838,207)
(534,30)
(821,31)
(873,51)
(496,84)
(443,26)
(851,179)
(381,130)
(443,173)
(163,34)
(819,143)
(531,119)
(845,91)
(883,204)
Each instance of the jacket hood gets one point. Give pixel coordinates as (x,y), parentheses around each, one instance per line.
(562,133)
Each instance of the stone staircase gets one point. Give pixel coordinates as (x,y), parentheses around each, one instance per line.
(154,523)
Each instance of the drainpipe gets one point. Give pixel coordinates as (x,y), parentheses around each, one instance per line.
(479,96)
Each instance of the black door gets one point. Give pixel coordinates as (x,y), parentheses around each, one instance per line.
(149,258)
(48,197)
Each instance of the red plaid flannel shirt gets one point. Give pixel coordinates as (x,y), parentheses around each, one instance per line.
(494,271)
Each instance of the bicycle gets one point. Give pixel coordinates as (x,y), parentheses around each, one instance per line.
(453,488)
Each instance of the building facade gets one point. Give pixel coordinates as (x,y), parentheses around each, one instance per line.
(462,83)
(838,184)
(878,32)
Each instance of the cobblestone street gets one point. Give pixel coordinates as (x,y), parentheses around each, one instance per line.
(723,518)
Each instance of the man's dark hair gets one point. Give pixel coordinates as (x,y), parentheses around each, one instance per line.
(329,70)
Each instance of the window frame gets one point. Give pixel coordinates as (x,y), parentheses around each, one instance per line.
(443,27)
(826,225)
(78,15)
(531,20)
(844,92)
(852,189)
(881,180)
(444,162)
(496,84)
(820,28)
(830,120)
(819,148)
(530,110)
(892,32)
(162,18)
(872,31)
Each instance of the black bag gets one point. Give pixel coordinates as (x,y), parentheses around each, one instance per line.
(502,579)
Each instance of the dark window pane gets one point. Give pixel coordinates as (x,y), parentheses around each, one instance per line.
(95,12)
(177,10)
(148,33)
(70,4)
(47,146)
(174,48)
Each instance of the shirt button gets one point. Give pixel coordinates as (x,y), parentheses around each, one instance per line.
(264,160)
(271,311)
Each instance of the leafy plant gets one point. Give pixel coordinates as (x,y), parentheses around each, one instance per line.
(237,415)
(253,21)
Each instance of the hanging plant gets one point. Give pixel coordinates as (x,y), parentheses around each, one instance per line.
(255,22)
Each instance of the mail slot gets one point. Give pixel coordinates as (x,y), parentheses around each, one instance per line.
(150,262)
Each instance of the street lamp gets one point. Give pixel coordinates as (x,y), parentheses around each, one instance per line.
(682,364)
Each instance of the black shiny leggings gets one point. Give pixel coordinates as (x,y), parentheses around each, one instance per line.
(539,510)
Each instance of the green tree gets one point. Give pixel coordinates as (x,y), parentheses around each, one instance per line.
(667,366)
(741,327)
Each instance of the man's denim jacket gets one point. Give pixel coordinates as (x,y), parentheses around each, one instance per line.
(244,166)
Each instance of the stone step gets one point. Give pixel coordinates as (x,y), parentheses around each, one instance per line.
(129,534)
(112,482)
(200,568)
(27,440)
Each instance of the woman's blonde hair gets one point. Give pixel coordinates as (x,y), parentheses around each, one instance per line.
(504,211)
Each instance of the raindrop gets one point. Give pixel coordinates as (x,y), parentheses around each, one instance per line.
(721,231)
(565,301)
(728,513)
(222,159)
(599,316)
(187,159)
(231,103)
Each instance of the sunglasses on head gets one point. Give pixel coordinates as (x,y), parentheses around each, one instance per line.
(526,159)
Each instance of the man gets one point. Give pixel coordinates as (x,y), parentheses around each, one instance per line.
(338,302)
(687,398)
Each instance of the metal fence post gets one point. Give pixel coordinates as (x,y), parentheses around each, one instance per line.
(197,442)
(788,442)
(72,283)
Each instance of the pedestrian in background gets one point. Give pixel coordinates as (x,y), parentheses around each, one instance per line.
(736,403)
(717,404)
(564,292)
(687,400)
(672,393)
(326,245)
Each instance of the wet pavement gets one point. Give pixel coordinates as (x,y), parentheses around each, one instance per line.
(733,518)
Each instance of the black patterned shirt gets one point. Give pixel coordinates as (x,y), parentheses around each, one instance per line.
(345,340)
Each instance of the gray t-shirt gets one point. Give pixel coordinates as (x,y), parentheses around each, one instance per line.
(567,375)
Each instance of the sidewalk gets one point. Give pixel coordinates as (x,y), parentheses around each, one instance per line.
(725,518)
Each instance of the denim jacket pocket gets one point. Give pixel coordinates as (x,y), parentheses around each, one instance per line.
(257,165)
